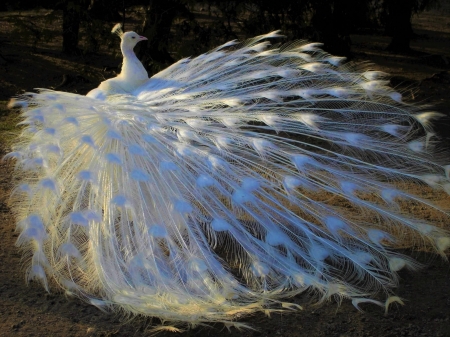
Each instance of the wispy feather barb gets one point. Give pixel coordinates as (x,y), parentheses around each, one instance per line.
(226,183)
(117,29)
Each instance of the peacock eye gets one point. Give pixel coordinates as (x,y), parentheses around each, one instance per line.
(133,37)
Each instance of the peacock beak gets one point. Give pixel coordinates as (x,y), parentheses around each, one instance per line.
(142,38)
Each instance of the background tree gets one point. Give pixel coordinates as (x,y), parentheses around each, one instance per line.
(159,17)
(177,28)
(334,21)
(73,12)
(398,24)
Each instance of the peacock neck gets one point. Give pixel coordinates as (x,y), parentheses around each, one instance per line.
(132,68)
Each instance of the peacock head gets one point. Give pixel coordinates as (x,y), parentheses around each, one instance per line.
(129,39)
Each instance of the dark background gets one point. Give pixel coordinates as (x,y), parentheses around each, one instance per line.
(67,45)
(176,28)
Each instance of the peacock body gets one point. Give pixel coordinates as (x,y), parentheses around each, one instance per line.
(225,183)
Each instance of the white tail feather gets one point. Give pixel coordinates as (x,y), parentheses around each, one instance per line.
(224,184)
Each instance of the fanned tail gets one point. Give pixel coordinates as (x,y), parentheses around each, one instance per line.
(226,183)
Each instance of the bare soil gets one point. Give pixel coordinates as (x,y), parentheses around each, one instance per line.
(27,310)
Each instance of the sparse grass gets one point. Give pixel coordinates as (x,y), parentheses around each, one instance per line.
(8,125)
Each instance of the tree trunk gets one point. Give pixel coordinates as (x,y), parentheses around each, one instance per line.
(106,10)
(399,24)
(71,26)
(158,21)
(327,22)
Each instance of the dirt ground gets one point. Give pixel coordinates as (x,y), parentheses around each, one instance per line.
(424,76)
